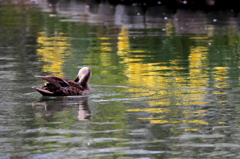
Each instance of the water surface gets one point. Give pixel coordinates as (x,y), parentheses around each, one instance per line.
(165,83)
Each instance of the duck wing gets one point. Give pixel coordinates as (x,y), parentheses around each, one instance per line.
(54,85)
(57,86)
(56,81)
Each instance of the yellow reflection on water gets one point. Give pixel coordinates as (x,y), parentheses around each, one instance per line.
(150,110)
(182,121)
(105,58)
(52,51)
(198,78)
(165,85)
(123,42)
(220,75)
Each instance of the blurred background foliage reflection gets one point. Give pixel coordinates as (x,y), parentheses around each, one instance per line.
(156,71)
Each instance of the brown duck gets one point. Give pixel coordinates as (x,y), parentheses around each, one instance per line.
(58,86)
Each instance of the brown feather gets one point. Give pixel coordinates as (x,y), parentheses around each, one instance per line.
(58,86)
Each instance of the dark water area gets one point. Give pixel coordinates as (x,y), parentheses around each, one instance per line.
(165,84)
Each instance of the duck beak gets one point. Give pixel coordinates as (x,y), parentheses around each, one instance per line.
(76,79)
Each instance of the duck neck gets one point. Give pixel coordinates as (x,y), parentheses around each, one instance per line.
(85,86)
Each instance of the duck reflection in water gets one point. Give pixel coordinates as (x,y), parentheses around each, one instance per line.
(59,86)
(52,106)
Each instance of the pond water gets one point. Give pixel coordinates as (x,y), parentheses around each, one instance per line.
(165,84)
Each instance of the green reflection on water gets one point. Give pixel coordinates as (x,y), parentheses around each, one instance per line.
(170,76)
(176,68)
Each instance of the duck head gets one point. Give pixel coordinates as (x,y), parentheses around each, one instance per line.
(83,77)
